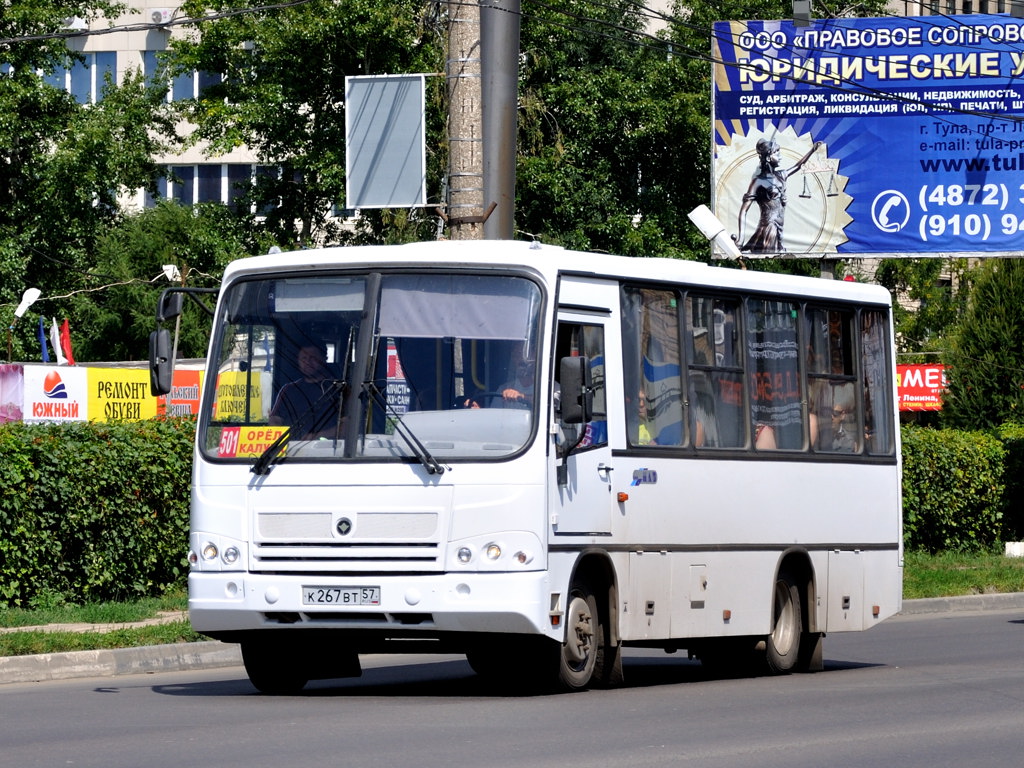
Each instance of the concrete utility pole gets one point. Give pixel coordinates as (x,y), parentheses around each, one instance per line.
(465,120)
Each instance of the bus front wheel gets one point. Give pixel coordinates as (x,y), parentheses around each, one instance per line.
(272,670)
(583,639)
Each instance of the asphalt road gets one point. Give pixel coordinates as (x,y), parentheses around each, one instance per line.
(930,690)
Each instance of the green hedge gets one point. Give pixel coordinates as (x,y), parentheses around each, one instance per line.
(953,487)
(93,512)
(1012,438)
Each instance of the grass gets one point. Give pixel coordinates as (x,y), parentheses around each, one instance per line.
(93,613)
(31,641)
(951,574)
(36,641)
(942,575)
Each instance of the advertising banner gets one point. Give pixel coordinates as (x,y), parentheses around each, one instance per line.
(919,387)
(873,137)
(240,396)
(55,394)
(12,392)
(119,395)
(183,399)
(37,393)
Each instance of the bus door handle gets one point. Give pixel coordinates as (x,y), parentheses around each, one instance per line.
(604,469)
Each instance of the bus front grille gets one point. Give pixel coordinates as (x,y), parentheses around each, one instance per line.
(333,556)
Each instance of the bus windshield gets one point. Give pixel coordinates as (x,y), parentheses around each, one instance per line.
(430,367)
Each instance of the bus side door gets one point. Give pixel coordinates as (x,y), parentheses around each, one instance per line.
(582,502)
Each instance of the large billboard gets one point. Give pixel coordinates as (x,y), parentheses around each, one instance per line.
(870,137)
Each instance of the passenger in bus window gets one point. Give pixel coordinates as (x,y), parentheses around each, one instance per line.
(643,428)
(844,418)
(312,400)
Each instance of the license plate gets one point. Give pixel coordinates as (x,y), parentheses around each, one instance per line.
(341,595)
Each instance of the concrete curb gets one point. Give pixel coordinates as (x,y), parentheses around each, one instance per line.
(121,661)
(1007,601)
(212,654)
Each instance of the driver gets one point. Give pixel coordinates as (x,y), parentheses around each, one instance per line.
(307,399)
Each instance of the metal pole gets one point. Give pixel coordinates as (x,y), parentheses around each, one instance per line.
(499,42)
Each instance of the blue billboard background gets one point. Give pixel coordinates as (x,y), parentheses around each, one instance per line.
(891,136)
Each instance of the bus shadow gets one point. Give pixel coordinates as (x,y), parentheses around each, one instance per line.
(455,678)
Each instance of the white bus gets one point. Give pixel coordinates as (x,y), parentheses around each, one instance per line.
(537,458)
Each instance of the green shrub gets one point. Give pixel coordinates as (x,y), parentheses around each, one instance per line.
(92,512)
(952,489)
(1012,438)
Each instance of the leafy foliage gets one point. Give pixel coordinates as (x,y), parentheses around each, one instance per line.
(1012,438)
(62,164)
(985,357)
(93,511)
(199,241)
(613,137)
(936,303)
(283,93)
(952,489)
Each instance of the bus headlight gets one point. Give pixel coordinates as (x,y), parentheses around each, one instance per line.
(513,551)
(211,553)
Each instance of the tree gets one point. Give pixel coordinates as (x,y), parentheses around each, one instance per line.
(936,304)
(119,312)
(985,377)
(283,93)
(62,164)
(609,143)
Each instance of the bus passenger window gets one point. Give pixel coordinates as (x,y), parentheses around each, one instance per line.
(715,373)
(835,413)
(651,370)
(878,423)
(774,378)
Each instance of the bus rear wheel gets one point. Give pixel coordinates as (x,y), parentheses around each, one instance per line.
(782,645)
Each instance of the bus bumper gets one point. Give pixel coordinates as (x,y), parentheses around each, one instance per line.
(519,603)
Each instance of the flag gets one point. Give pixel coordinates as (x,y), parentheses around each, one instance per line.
(42,340)
(65,342)
(55,343)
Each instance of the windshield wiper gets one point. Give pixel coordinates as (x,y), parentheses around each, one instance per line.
(432,465)
(262,464)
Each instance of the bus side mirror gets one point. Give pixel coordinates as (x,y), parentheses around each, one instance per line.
(577,398)
(160,372)
(169,306)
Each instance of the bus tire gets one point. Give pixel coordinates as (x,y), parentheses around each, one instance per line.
(583,639)
(782,645)
(273,671)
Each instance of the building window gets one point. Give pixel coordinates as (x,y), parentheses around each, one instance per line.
(85,79)
(188,85)
(209,183)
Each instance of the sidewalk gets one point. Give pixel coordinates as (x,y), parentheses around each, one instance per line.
(213,654)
